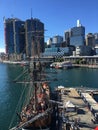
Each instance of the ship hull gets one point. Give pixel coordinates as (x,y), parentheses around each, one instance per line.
(43,123)
(36,129)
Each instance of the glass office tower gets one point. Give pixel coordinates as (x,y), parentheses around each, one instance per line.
(77,37)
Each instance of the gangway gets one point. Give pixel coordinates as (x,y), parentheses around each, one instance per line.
(56,102)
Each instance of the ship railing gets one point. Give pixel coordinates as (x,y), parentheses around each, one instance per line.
(32,120)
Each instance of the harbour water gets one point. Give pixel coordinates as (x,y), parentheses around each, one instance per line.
(10,91)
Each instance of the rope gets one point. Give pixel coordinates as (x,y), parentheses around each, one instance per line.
(21,75)
(16,108)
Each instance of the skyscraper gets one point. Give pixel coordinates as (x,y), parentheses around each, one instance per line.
(34,30)
(67,37)
(57,40)
(96,38)
(14,36)
(90,40)
(77,37)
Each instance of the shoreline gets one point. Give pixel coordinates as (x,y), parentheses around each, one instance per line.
(15,62)
(85,65)
(73,65)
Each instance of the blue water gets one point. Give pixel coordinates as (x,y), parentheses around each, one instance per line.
(10,92)
(76,77)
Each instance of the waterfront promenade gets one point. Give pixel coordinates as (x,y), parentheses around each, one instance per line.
(90,61)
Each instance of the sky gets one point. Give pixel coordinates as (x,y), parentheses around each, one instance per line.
(57,15)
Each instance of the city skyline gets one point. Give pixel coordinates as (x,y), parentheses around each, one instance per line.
(58,16)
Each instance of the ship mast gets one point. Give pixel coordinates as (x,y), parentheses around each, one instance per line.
(35,82)
(35,65)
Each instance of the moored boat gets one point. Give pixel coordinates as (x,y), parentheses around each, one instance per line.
(61,65)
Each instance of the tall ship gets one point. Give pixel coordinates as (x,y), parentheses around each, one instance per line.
(36,107)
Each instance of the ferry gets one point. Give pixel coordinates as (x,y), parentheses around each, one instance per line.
(61,65)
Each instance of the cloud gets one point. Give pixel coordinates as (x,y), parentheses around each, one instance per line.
(2,50)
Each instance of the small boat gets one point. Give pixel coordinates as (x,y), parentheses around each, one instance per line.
(24,63)
(61,65)
(53,64)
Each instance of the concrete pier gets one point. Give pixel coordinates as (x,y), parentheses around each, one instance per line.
(75,113)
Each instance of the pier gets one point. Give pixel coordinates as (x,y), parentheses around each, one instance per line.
(77,110)
(85,65)
(91,60)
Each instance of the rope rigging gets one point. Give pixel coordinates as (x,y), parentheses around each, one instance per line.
(21,103)
(32,120)
(16,108)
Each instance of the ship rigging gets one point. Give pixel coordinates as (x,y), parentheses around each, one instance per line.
(37,109)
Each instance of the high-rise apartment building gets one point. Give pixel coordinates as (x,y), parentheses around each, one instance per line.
(90,40)
(56,40)
(34,30)
(19,36)
(67,35)
(77,37)
(96,38)
(14,36)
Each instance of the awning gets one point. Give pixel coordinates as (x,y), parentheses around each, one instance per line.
(70,104)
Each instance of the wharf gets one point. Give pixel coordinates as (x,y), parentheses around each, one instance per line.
(86,65)
(75,113)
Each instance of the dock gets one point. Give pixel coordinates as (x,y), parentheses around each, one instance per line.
(77,110)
